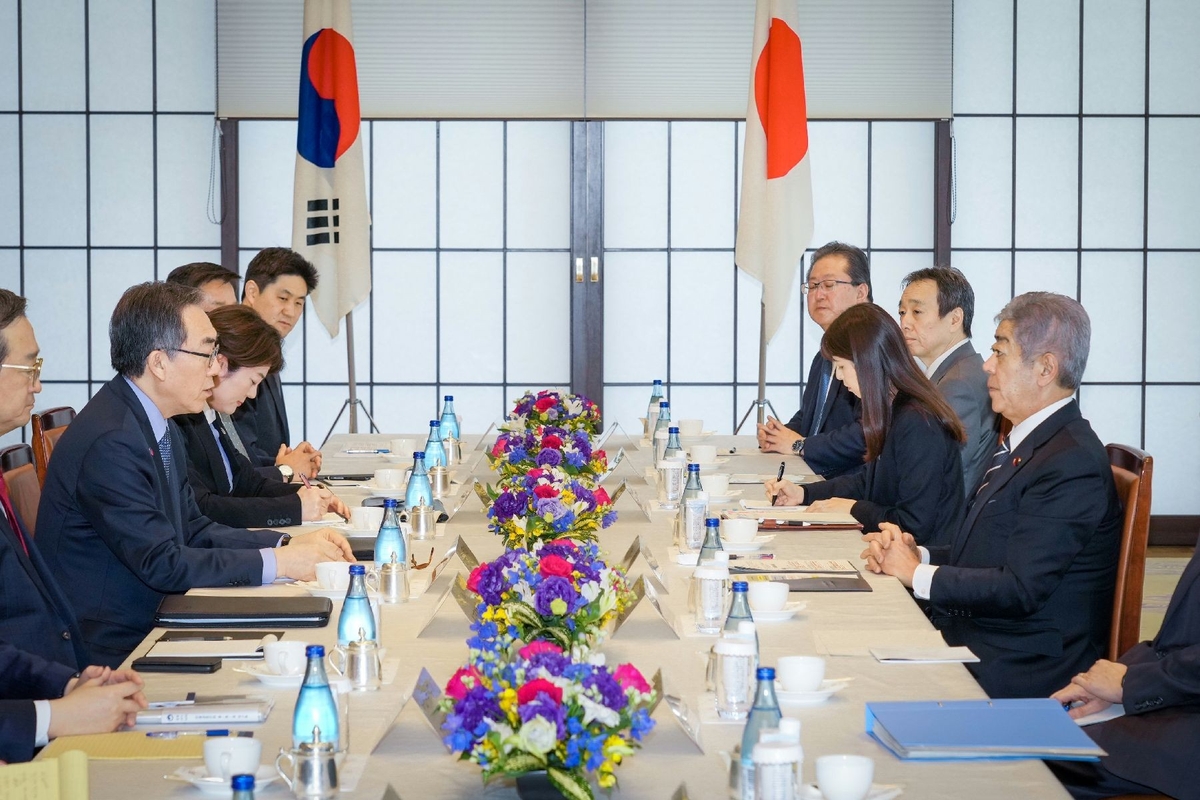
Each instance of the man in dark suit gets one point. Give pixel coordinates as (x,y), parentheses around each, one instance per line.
(1152,748)
(41,649)
(936,310)
(118,522)
(218,286)
(278,280)
(827,430)
(1027,582)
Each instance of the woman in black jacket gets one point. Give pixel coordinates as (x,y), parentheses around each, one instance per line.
(913,475)
(227,486)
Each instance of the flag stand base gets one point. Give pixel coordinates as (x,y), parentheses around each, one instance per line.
(347,403)
(756,404)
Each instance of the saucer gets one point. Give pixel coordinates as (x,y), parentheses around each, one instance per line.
(709,465)
(878,791)
(214,784)
(752,546)
(314,588)
(374,488)
(789,611)
(724,498)
(270,679)
(829,687)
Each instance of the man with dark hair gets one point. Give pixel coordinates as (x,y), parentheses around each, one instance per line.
(827,430)
(1027,581)
(278,280)
(43,692)
(118,521)
(936,310)
(217,285)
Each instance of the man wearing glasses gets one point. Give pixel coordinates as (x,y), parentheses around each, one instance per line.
(118,523)
(827,430)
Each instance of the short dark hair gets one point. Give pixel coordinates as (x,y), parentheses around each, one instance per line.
(858,266)
(12,308)
(199,273)
(148,317)
(247,340)
(953,291)
(867,336)
(274,262)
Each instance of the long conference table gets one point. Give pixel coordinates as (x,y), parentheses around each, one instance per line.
(392,743)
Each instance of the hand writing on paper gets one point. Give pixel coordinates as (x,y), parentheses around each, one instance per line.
(783,492)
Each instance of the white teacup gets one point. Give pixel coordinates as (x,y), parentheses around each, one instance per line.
(226,756)
(843,777)
(768,595)
(402,448)
(691,427)
(366,518)
(737,531)
(285,658)
(716,484)
(333,575)
(703,453)
(389,478)
(800,673)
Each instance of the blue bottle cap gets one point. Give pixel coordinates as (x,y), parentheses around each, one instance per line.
(765,673)
(435,423)
(693,467)
(418,454)
(658,381)
(314,651)
(392,502)
(663,404)
(672,429)
(243,783)
(712,522)
(741,586)
(449,398)
(358,569)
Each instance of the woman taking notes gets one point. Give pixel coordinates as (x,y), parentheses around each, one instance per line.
(913,475)
(228,488)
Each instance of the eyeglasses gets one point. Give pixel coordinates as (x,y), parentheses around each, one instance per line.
(210,356)
(413,561)
(827,285)
(34,371)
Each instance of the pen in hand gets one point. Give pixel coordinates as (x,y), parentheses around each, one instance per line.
(779,477)
(308,485)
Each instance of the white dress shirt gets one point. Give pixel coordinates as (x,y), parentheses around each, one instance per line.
(937,362)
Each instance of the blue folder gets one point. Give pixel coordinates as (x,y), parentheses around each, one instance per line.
(980,729)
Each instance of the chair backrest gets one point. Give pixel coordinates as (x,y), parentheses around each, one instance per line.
(16,461)
(1133,470)
(48,426)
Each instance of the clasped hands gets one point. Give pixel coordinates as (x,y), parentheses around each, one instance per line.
(304,459)
(891,551)
(98,701)
(775,437)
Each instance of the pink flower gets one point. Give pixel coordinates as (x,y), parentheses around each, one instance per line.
(555,565)
(456,686)
(498,450)
(545,404)
(536,648)
(473,578)
(602,497)
(551,442)
(529,691)
(628,676)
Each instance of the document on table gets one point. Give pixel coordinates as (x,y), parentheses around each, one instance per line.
(943,654)
(126,745)
(750,477)
(826,565)
(756,509)
(838,642)
(62,778)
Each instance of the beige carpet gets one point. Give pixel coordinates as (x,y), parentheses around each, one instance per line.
(1164,565)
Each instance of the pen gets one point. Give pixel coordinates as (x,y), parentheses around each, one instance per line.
(201,639)
(369,452)
(779,477)
(175,734)
(308,485)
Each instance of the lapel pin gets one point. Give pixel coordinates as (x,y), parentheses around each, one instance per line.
(1017,461)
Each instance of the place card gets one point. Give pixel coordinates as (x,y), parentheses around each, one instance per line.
(606,435)
(441,565)
(483,439)
(437,604)
(656,683)
(467,600)
(466,555)
(653,564)
(482,494)
(631,555)
(468,487)
(639,591)
(428,695)
(390,794)
(688,719)
(668,616)
(681,792)
(615,496)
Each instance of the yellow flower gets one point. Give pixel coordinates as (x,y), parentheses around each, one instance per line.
(508,701)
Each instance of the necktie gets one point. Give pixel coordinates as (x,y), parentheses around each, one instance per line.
(12,514)
(997,462)
(822,396)
(230,430)
(164,452)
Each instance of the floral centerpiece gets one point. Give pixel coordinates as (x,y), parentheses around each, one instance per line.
(560,591)
(572,412)
(546,504)
(516,453)
(540,709)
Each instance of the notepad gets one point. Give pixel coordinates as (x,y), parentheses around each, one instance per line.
(232,648)
(943,654)
(61,778)
(127,745)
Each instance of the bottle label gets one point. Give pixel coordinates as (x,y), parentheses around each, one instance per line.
(694,514)
(736,683)
(712,599)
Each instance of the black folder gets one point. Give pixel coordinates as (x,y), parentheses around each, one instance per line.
(201,611)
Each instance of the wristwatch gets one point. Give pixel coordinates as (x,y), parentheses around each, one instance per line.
(287,472)
(798,447)
(283,540)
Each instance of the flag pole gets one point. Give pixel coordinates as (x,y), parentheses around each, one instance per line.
(762,363)
(350,372)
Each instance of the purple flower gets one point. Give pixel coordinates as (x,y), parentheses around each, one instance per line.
(545,707)
(584,495)
(611,693)
(584,444)
(550,505)
(549,458)
(472,710)
(554,663)
(608,519)
(550,590)
(492,583)
(509,505)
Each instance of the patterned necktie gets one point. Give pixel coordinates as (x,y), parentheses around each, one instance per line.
(997,462)
(822,396)
(226,423)
(12,514)
(164,452)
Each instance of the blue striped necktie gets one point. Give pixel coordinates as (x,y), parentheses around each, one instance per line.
(822,396)
(997,463)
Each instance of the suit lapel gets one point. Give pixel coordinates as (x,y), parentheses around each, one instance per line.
(1017,461)
(163,485)
(280,408)
(26,563)
(964,351)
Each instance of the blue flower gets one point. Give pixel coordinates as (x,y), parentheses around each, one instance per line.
(564,523)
